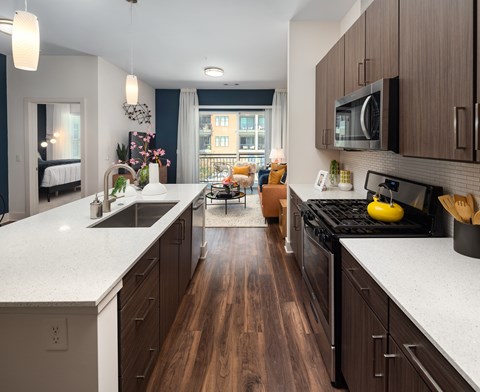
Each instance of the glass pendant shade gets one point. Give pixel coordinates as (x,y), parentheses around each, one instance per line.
(44,144)
(25,41)
(131,90)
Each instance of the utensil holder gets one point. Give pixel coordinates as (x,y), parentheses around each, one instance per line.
(466,239)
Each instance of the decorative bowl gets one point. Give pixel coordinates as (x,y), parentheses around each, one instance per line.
(344,186)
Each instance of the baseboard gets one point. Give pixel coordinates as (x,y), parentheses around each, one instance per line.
(203,251)
(288,247)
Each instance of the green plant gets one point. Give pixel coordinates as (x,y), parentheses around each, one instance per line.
(334,171)
(122,152)
(120,185)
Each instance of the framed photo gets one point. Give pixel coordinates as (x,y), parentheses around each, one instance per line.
(321,180)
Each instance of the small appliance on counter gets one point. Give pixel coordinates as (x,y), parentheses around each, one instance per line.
(325,222)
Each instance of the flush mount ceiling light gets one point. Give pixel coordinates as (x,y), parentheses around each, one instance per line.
(6,26)
(214,72)
(131,84)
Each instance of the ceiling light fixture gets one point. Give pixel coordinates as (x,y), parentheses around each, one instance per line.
(131,84)
(25,40)
(6,26)
(214,72)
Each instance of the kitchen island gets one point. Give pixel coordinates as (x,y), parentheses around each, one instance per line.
(57,270)
(435,287)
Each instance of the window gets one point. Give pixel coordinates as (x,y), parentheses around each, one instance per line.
(247,122)
(205,122)
(205,143)
(247,142)
(221,121)
(75,132)
(221,141)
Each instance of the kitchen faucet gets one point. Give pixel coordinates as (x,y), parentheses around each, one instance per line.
(106,200)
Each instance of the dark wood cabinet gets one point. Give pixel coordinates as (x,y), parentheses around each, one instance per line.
(382,349)
(329,85)
(364,342)
(296,228)
(436,79)
(355,55)
(138,319)
(175,269)
(371,46)
(401,374)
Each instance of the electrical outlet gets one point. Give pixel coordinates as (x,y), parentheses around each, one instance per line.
(56,337)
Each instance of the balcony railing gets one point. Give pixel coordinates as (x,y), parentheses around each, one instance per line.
(215,167)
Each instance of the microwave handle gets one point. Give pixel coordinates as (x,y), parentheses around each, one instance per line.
(365,131)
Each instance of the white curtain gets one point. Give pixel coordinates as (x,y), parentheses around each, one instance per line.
(279,120)
(268,134)
(187,150)
(62,149)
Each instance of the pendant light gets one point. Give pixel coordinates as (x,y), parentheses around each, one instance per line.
(25,40)
(131,84)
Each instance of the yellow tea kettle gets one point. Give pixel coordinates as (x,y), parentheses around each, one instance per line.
(385,212)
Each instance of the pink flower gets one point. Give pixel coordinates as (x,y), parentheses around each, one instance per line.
(135,133)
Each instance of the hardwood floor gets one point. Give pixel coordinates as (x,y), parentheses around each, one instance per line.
(241,326)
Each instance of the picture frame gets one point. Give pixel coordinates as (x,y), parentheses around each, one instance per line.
(321,180)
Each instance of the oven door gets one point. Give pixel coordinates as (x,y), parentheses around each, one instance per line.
(318,276)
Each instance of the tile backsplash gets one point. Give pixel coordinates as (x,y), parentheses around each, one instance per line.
(454,177)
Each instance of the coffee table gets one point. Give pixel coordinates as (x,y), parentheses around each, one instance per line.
(220,193)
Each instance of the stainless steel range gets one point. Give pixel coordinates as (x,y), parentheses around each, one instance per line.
(326,222)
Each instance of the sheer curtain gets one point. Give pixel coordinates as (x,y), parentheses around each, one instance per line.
(268,133)
(62,149)
(279,120)
(187,156)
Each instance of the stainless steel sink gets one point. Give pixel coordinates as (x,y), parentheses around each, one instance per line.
(136,215)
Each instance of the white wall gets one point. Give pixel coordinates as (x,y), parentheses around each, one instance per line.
(113,125)
(309,42)
(351,16)
(57,77)
(101,84)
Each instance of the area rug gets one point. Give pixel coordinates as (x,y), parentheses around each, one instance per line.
(237,215)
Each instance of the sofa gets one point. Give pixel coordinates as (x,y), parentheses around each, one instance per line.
(270,195)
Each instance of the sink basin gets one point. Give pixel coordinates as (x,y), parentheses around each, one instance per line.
(136,215)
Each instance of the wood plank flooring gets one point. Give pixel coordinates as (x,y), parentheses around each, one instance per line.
(241,326)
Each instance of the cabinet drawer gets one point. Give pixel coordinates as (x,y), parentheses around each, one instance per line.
(135,378)
(371,292)
(134,278)
(139,321)
(425,358)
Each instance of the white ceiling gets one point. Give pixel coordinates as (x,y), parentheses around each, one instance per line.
(175,39)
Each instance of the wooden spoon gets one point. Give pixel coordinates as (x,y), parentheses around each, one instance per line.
(459,198)
(476,218)
(471,203)
(464,211)
(449,205)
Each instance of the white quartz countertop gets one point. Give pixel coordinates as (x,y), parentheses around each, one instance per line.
(307,191)
(437,288)
(55,259)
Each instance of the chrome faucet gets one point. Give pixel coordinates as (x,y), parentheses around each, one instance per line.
(106,199)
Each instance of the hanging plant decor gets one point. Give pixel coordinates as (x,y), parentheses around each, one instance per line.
(140,112)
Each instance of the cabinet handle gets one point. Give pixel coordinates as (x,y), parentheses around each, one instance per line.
(151,300)
(182,226)
(374,340)
(455,126)
(296,226)
(324,139)
(390,356)
(351,271)
(365,72)
(153,260)
(419,366)
(150,362)
(477,119)
(358,74)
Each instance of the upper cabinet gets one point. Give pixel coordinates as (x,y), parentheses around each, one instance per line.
(329,85)
(371,46)
(436,79)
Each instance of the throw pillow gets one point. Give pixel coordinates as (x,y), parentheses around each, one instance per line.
(279,166)
(262,180)
(241,170)
(283,180)
(275,176)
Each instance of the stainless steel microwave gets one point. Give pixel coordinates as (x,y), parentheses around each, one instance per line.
(367,119)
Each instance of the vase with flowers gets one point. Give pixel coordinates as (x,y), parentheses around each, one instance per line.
(148,155)
(229,184)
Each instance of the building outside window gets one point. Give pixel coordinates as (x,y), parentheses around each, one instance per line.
(221,121)
(221,141)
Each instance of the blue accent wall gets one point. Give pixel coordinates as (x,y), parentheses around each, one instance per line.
(166,114)
(3,133)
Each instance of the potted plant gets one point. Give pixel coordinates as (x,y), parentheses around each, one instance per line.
(122,155)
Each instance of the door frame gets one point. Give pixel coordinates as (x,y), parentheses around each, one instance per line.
(31,140)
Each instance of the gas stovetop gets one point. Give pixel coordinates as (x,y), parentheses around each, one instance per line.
(351,217)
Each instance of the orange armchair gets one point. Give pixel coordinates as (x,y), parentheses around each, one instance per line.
(270,199)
